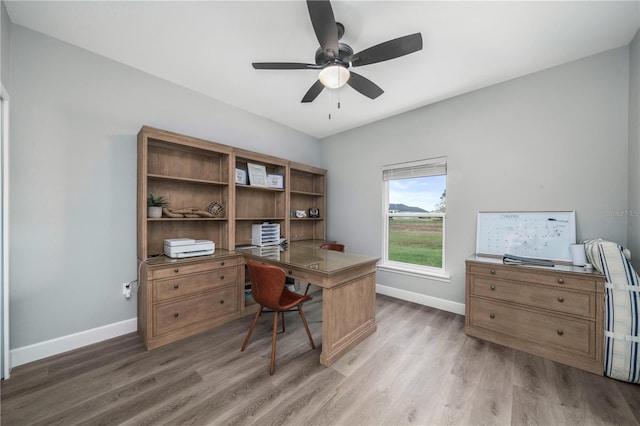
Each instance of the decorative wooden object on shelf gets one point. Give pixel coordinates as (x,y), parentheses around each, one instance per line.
(553,312)
(208,202)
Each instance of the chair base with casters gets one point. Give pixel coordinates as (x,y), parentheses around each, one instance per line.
(269,292)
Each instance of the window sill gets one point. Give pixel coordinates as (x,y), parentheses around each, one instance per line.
(444,277)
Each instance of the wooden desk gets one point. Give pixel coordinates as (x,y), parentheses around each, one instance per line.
(348,284)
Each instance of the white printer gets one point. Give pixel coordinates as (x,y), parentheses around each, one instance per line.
(187,247)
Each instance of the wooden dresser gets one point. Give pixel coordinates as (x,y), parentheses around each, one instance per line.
(553,312)
(181,297)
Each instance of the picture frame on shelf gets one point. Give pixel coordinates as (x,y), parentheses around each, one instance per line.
(314,213)
(241,176)
(257,175)
(275,181)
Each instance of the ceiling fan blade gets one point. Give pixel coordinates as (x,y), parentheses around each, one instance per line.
(388,50)
(313,92)
(364,86)
(324,24)
(284,66)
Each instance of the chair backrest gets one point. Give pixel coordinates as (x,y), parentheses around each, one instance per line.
(333,246)
(267,284)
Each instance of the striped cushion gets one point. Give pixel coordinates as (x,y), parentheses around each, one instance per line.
(622,309)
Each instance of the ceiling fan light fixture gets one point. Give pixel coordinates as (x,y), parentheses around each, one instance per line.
(334,76)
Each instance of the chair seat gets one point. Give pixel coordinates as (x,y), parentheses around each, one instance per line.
(289,299)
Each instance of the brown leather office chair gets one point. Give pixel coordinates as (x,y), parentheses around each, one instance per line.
(267,284)
(327,246)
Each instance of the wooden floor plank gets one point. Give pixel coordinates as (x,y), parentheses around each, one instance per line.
(419,368)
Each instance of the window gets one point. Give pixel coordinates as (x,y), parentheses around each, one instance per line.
(414,216)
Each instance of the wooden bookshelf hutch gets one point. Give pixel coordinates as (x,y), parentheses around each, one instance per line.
(181,297)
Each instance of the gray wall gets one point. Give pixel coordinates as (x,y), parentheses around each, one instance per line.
(633,242)
(553,140)
(74,120)
(5,38)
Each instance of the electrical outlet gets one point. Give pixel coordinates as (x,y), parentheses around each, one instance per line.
(126,290)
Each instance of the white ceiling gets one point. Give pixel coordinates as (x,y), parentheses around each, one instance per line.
(208,46)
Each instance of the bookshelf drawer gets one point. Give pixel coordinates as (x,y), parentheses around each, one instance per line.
(193,268)
(184,285)
(171,317)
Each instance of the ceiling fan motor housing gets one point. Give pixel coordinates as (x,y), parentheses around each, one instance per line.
(344,53)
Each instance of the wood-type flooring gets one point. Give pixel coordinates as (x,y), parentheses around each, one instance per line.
(419,368)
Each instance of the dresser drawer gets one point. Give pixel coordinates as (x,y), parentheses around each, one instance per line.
(536,276)
(193,268)
(573,335)
(184,285)
(173,316)
(551,297)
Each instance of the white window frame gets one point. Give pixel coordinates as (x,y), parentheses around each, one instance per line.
(422,168)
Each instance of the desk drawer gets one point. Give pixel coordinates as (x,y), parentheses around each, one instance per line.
(552,297)
(301,274)
(572,335)
(173,316)
(183,285)
(535,276)
(192,268)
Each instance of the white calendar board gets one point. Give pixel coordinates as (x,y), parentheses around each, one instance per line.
(541,235)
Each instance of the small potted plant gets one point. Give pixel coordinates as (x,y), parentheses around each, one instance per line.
(155,205)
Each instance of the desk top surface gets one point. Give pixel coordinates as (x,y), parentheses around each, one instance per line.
(305,255)
(310,257)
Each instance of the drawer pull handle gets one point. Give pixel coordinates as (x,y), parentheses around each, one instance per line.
(176,314)
(222,302)
(176,270)
(560,281)
(492,272)
(176,286)
(493,287)
(560,299)
(560,332)
(290,272)
(492,315)
(222,263)
(222,277)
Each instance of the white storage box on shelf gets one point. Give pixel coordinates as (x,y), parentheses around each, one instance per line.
(265,234)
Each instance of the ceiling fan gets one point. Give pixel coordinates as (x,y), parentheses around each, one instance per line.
(333,58)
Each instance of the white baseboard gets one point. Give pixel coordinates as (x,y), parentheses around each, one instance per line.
(62,344)
(421,299)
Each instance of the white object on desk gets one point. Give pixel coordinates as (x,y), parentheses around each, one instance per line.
(188,247)
(265,234)
(578,255)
